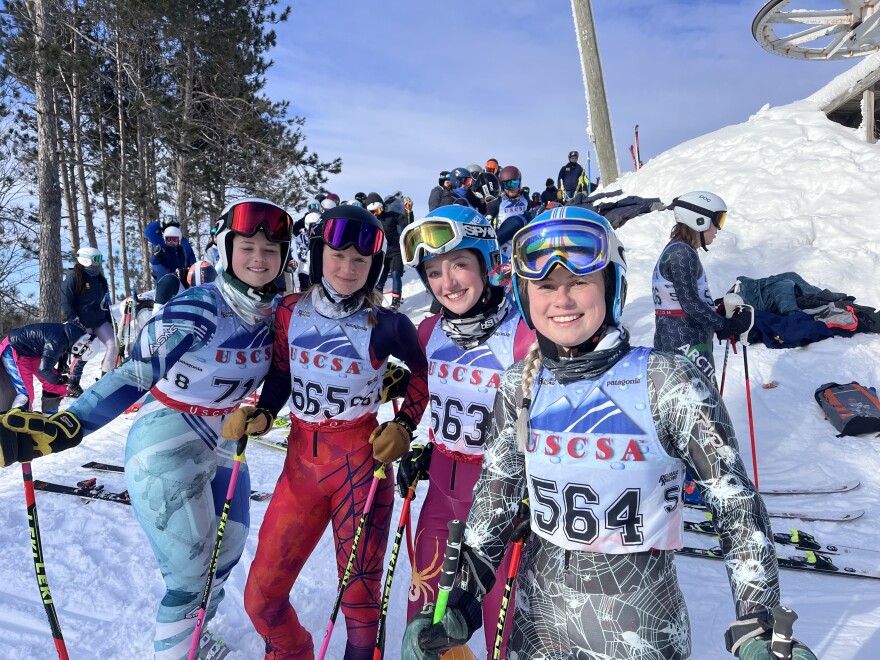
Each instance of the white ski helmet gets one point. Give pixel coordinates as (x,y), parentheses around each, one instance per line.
(699,210)
(172,232)
(248,216)
(311,220)
(89,256)
(83,348)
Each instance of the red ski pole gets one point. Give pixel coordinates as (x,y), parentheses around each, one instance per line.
(632,153)
(751,419)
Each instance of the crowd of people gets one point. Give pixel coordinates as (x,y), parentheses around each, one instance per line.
(528,294)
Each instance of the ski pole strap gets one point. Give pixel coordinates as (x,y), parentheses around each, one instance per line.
(783,623)
(450,567)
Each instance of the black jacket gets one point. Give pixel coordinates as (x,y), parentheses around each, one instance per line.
(549,194)
(51,342)
(89,306)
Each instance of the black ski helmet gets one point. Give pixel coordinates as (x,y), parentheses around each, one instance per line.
(316,243)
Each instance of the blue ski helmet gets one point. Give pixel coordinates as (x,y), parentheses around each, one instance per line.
(558,227)
(466,228)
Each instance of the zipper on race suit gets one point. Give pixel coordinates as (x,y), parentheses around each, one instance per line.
(315,444)
(452,476)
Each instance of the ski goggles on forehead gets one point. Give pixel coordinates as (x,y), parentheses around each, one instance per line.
(717,217)
(248,218)
(428,235)
(581,247)
(340,233)
(314,206)
(512,184)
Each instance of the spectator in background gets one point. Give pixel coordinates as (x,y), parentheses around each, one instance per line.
(36,350)
(492,167)
(388,212)
(549,194)
(85,299)
(536,201)
(171,256)
(569,175)
(443,185)
(155,229)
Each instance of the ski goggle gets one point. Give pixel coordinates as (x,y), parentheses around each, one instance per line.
(314,206)
(429,234)
(717,217)
(248,218)
(340,233)
(98,258)
(511,184)
(581,247)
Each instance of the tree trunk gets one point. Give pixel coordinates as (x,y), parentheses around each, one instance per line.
(107,219)
(76,134)
(142,206)
(120,108)
(47,168)
(69,195)
(181,187)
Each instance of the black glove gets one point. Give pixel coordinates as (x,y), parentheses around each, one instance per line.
(736,325)
(750,638)
(13,447)
(158,251)
(414,465)
(394,382)
(523,525)
(46,435)
(424,640)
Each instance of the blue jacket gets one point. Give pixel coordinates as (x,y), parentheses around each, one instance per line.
(153,233)
(569,174)
(169,259)
(89,305)
(51,342)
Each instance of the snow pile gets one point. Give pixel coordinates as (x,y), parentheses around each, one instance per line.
(804,195)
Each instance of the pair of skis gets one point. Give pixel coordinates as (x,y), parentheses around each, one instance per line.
(635,152)
(90,489)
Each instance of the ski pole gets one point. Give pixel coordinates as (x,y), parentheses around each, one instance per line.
(589,176)
(520,534)
(724,368)
(378,475)
(751,418)
(632,153)
(450,567)
(392,563)
(638,150)
(215,555)
(39,563)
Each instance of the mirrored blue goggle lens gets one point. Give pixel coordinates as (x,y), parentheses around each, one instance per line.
(580,248)
(512,184)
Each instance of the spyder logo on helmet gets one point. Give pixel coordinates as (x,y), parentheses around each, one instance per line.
(478,231)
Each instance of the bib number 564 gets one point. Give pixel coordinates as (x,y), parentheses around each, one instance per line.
(577,512)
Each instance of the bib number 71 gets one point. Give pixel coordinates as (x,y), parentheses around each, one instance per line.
(576,510)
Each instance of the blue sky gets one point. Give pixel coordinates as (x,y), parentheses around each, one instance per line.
(401,89)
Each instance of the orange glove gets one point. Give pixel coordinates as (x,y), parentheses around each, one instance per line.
(247,420)
(391,440)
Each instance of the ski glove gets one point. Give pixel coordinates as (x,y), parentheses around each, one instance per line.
(750,638)
(37,435)
(391,440)
(394,382)
(424,640)
(738,324)
(414,465)
(247,420)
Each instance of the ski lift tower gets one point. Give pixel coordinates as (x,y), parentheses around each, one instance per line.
(826,30)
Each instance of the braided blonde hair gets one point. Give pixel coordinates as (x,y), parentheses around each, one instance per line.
(531,367)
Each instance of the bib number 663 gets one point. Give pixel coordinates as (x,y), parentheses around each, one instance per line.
(578,510)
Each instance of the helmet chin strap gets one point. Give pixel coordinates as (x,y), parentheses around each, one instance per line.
(703,241)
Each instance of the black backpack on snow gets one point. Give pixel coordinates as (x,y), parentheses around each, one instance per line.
(852,408)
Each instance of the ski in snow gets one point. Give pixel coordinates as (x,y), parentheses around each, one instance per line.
(790,558)
(796,539)
(846,516)
(269,442)
(87,489)
(256,495)
(812,490)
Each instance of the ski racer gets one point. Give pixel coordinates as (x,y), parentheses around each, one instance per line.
(685,315)
(477,335)
(597,434)
(209,348)
(513,214)
(331,347)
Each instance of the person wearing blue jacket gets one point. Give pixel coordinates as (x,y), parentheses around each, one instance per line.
(154,230)
(570,174)
(84,298)
(171,256)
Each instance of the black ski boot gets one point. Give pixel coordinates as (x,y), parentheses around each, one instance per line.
(74,390)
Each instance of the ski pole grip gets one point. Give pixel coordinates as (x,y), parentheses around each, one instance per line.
(783,623)
(450,567)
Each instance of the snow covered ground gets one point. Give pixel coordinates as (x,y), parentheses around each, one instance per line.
(804,195)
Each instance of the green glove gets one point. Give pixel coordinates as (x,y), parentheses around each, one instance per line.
(47,435)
